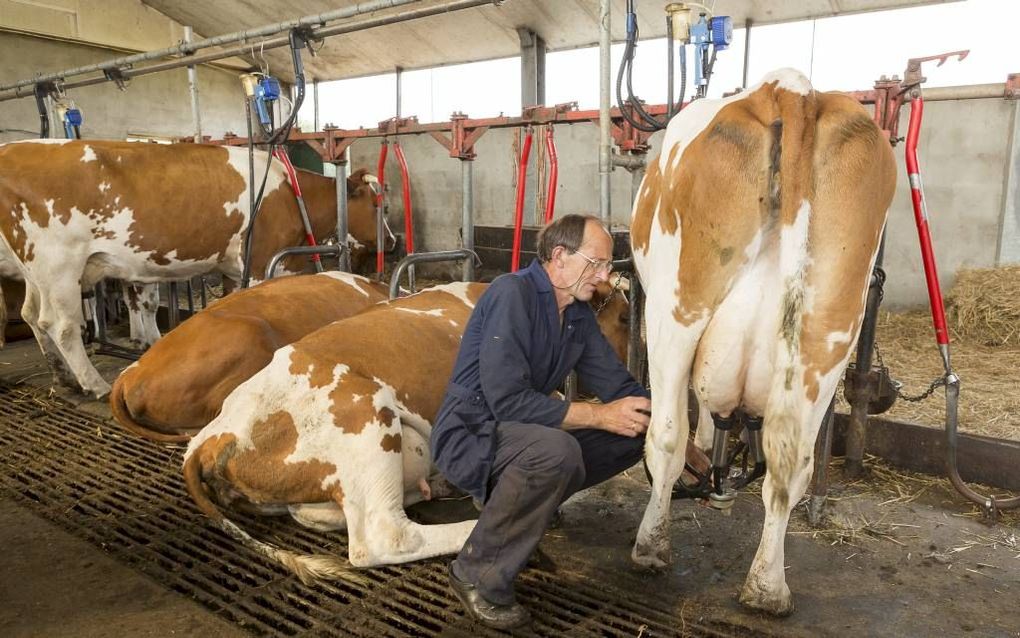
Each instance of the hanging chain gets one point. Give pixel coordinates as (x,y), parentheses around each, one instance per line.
(937,383)
(612,293)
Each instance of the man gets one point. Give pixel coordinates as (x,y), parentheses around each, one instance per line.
(502,437)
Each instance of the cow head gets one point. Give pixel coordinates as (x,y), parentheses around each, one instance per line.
(612,310)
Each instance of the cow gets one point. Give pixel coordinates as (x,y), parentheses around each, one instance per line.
(179,384)
(754,234)
(73,212)
(326,431)
(335,430)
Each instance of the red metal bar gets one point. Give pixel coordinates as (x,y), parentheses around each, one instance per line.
(554,170)
(380,173)
(281,155)
(931,276)
(522,176)
(408,213)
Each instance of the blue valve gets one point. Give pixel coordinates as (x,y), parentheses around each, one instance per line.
(72,120)
(267,92)
(722,32)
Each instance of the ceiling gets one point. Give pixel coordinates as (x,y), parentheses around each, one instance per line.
(482,33)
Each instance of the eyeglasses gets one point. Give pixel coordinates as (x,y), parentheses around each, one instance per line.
(598,264)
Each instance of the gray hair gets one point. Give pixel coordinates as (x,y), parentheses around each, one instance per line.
(567,231)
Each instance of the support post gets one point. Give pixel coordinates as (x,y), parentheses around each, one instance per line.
(468,220)
(605,123)
(196,115)
(747,50)
(857,426)
(315,105)
(341,211)
(1009,233)
(532,94)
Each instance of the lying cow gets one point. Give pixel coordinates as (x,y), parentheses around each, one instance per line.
(178,385)
(73,212)
(335,429)
(329,427)
(754,234)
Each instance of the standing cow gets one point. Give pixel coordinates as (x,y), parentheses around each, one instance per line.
(754,235)
(73,212)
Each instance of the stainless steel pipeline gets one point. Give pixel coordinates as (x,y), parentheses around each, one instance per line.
(418,258)
(335,249)
(186,48)
(605,95)
(272,43)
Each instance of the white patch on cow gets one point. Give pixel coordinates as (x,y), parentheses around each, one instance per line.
(834,339)
(453,323)
(104,186)
(435,312)
(696,117)
(458,289)
(793,253)
(88,155)
(789,79)
(352,280)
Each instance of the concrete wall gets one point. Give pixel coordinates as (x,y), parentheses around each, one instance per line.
(964,152)
(157,104)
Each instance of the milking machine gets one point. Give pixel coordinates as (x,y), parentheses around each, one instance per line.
(262,91)
(686,23)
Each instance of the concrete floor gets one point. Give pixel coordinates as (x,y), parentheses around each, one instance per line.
(883,564)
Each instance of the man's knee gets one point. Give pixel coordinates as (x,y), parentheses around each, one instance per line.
(557,453)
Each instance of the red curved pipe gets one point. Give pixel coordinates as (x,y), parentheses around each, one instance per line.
(554,170)
(938,312)
(522,174)
(281,155)
(408,213)
(380,173)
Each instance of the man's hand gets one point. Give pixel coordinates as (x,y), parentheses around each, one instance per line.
(628,416)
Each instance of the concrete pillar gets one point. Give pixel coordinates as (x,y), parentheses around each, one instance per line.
(532,67)
(532,93)
(1009,228)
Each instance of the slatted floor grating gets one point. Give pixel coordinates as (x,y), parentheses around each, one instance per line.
(127,497)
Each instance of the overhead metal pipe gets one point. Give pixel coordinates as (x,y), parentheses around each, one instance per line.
(605,123)
(245,35)
(265,45)
(747,50)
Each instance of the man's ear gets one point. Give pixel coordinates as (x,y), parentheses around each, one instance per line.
(557,253)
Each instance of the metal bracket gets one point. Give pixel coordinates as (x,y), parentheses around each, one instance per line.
(461,143)
(1012,86)
(912,77)
(116,75)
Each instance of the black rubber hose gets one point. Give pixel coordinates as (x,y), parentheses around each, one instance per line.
(619,95)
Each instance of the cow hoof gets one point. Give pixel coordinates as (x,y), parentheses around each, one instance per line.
(651,557)
(757,598)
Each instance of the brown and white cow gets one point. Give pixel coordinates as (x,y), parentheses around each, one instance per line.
(179,384)
(336,428)
(73,212)
(754,234)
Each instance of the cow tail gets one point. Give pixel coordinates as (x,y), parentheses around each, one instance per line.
(786,411)
(308,567)
(121,412)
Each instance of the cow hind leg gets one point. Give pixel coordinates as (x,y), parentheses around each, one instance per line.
(58,316)
(54,360)
(322,517)
(379,530)
(671,349)
(791,426)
